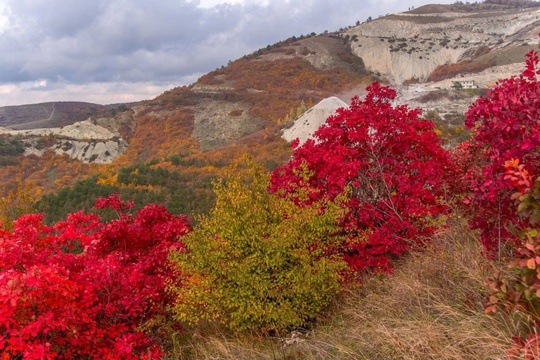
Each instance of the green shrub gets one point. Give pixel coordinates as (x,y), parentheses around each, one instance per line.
(257,261)
(11,147)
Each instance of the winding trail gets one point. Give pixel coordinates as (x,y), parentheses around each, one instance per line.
(52,114)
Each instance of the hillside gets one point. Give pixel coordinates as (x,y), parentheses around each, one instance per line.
(47,115)
(428,44)
(245,106)
(185,226)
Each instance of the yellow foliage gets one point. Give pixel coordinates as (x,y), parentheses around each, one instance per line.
(258,262)
(18,202)
(111,180)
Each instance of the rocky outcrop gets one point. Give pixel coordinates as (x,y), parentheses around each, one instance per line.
(218,123)
(83,130)
(305,126)
(102,152)
(409,46)
(84,141)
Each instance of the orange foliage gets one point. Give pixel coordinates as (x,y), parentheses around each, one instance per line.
(159,133)
(108,176)
(17,202)
(47,173)
(464,67)
(163,129)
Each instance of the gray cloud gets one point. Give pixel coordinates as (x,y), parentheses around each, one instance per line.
(81,42)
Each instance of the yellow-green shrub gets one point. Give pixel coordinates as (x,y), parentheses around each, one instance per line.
(257,261)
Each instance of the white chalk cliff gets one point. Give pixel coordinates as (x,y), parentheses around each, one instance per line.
(411,45)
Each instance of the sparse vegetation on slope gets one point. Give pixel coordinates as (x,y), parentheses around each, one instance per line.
(452,70)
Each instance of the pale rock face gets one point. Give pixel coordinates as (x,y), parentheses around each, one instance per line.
(101,152)
(85,130)
(218,123)
(406,46)
(80,130)
(305,126)
(84,141)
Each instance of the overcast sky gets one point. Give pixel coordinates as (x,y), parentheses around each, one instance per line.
(110,51)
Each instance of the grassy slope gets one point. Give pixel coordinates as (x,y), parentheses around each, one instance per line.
(47,115)
(430,308)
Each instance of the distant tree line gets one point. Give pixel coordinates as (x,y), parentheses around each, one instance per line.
(181,193)
(514,3)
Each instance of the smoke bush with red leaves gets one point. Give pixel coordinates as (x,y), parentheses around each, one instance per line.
(506,125)
(394,165)
(81,288)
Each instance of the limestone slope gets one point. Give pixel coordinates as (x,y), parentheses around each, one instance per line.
(410,46)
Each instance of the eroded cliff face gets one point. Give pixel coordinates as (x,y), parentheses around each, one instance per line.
(97,140)
(87,151)
(408,46)
(218,123)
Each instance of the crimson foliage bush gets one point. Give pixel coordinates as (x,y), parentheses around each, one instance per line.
(506,126)
(81,288)
(394,165)
(517,291)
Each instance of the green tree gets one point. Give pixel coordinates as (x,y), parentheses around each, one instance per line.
(301,109)
(258,261)
(458,85)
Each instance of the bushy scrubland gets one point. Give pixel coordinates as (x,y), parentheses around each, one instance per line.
(358,247)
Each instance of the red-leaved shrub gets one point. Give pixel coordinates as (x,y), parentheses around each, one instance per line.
(394,165)
(506,126)
(518,291)
(81,288)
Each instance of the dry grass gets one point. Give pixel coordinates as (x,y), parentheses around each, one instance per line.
(430,308)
